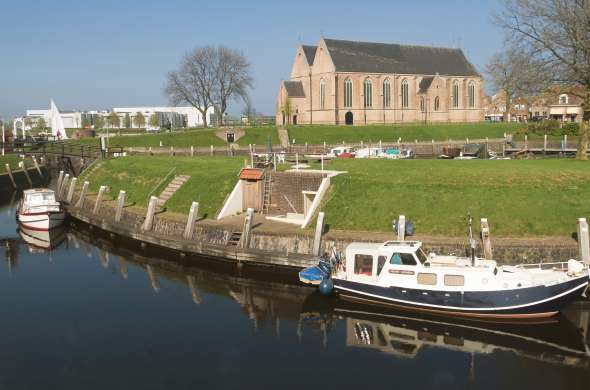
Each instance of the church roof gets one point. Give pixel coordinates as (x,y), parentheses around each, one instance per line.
(309,53)
(370,57)
(294,88)
(425,83)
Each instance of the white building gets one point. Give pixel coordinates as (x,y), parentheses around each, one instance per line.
(192,116)
(71,119)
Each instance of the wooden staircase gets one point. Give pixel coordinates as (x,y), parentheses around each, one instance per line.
(171,188)
(234,239)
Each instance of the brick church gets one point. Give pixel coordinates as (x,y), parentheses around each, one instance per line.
(349,82)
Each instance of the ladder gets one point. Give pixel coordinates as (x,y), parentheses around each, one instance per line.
(267,192)
(234,239)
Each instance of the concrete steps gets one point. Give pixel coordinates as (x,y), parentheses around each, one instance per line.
(283,137)
(171,188)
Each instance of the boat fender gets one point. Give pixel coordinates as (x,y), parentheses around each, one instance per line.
(409,228)
(326,286)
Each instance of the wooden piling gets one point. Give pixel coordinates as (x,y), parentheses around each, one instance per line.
(401,228)
(486,239)
(565,141)
(583,240)
(82,198)
(212,151)
(319,230)
(172,150)
(60,178)
(64,185)
(98,201)
(9,171)
(71,190)
(149,217)
(120,204)
(36,164)
(246,231)
(190,223)
(192,151)
(22,166)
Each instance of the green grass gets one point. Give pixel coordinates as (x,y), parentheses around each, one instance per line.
(520,198)
(390,133)
(204,137)
(259,136)
(212,178)
(11,159)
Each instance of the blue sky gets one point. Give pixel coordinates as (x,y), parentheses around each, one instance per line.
(102,54)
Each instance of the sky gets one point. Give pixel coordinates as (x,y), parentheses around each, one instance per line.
(89,54)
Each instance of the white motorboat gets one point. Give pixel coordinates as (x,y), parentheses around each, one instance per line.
(39,210)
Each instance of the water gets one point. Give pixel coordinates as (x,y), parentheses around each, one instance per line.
(96,313)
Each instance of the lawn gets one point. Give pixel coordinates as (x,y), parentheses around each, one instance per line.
(390,133)
(212,178)
(520,198)
(11,159)
(259,136)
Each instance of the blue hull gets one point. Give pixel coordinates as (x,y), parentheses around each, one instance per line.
(539,301)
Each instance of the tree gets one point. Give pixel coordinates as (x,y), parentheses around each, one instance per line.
(127,121)
(556,35)
(113,120)
(41,125)
(98,121)
(154,120)
(210,77)
(86,121)
(28,122)
(139,120)
(287,109)
(516,75)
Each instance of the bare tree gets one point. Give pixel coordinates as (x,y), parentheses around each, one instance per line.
(556,34)
(517,75)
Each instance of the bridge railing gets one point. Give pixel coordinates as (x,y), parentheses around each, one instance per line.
(60,148)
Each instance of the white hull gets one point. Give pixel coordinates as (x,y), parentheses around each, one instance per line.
(42,221)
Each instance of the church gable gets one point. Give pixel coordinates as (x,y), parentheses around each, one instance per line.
(301,64)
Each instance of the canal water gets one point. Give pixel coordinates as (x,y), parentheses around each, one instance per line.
(80,310)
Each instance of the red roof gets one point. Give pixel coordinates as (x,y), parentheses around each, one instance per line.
(251,174)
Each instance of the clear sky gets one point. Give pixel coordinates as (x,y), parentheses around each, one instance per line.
(110,53)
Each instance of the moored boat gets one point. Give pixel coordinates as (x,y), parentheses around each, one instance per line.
(39,210)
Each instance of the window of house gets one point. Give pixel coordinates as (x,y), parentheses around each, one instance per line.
(427,278)
(454,280)
(322,94)
(563,99)
(405,94)
(386,93)
(380,263)
(471,93)
(363,264)
(348,93)
(422,104)
(436,104)
(455,94)
(402,259)
(368,92)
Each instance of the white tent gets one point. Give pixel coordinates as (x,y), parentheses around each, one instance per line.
(57,126)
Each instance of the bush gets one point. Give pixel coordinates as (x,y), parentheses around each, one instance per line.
(570,128)
(544,127)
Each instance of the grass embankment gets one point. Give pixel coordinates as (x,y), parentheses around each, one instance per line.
(520,198)
(390,133)
(212,178)
(11,159)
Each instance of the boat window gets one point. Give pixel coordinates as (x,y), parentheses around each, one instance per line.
(424,278)
(422,256)
(380,263)
(454,280)
(363,264)
(402,259)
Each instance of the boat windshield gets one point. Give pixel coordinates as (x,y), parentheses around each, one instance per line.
(41,198)
(421,256)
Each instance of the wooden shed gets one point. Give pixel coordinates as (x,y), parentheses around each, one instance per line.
(253,188)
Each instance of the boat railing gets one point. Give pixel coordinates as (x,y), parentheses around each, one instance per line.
(558,265)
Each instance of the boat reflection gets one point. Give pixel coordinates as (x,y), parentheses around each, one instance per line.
(39,241)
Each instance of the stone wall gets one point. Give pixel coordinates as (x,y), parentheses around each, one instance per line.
(288,185)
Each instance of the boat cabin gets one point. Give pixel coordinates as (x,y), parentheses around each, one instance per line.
(39,197)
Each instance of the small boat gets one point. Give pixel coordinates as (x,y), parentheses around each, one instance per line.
(39,210)
(400,274)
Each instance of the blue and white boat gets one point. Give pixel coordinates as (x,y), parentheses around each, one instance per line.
(399,274)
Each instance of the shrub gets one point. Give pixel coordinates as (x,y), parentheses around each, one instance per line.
(570,128)
(544,127)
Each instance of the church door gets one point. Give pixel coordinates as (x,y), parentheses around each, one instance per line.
(348,118)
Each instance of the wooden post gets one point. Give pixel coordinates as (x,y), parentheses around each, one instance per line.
(82,198)
(296,161)
(212,151)
(246,236)
(98,201)
(324,146)
(151,152)
(485,238)
(526,142)
(433,147)
(61,193)
(401,228)
(190,223)
(120,205)
(583,240)
(71,191)
(319,230)
(487,148)
(149,217)
(172,150)
(192,151)
(306,148)
(9,171)
(565,141)
(21,164)
(380,145)
(544,143)
(60,178)
(36,164)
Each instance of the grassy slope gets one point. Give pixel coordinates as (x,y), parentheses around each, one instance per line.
(536,197)
(259,136)
(390,133)
(11,159)
(211,180)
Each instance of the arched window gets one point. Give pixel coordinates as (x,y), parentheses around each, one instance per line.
(386,93)
(436,104)
(322,94)
(348,93)
(405,95)
(563,99)
(422,103)
(471,93)
(368,90)
(455,94)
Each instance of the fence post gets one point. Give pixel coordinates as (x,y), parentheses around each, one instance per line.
(10,175)
(526,143)
(401,228)
(72,189)
(246,236)
(82,198)
(172,150)
(583,240)
(544,143)
(120,204)
(64,184)
(190,223)
(98,201)
(37,166)
(192,151)
(149,217)
(319,229)
(212,152)
(485,238)
(60,178)
(565,141)
(21,164)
